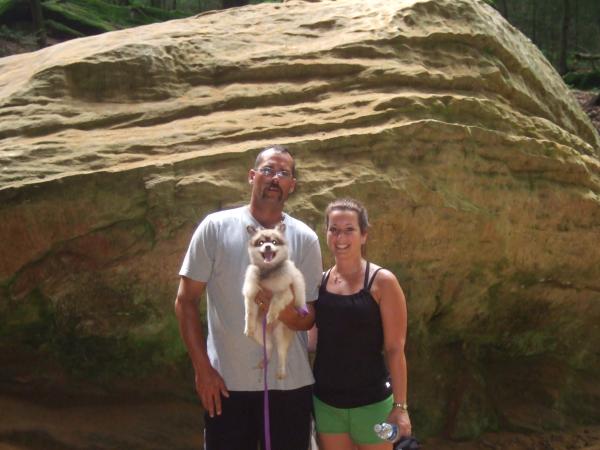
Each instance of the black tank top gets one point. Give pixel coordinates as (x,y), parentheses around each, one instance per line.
(349,366)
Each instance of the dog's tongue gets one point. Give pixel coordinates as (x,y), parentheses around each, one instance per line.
(268,256)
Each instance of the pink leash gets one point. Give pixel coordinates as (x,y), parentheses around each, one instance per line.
(266,391)
(303,312)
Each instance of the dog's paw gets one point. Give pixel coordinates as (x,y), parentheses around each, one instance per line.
(271,317)
(249,331)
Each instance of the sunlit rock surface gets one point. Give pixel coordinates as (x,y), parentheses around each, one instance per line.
(480,172)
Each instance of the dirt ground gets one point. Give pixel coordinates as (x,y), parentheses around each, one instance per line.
(58,416)
(584,438)
(83,417)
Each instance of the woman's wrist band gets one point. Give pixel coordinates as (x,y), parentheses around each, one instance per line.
(402,406)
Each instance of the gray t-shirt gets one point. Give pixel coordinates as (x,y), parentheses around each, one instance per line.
(218,255)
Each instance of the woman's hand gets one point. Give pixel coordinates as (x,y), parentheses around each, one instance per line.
(401,418)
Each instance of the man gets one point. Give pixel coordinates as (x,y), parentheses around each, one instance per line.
(228,380)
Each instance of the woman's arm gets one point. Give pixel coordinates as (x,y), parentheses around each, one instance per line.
(392,306)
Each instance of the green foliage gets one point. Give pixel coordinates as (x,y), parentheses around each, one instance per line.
(30,321)
(78,18)
(544,22)
(91,16)
(62,29)
(5,5)
(15,35)
(36,324)
(128,355)
(583,80)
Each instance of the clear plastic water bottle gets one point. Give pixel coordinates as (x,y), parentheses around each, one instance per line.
(387,431)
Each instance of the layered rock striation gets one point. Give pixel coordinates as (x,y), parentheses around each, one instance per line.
(480,171)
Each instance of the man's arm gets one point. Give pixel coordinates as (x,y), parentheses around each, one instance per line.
(209,383)
(311,268)
(298,320)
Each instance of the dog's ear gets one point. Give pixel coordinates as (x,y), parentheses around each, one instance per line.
(280,227)
(251,230)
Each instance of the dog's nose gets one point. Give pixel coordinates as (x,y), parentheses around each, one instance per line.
(268,248)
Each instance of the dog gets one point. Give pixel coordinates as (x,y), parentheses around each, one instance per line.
(270,268)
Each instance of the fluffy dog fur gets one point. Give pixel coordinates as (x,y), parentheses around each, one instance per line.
(270,268)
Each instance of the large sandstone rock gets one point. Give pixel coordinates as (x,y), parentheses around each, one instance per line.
(480,171)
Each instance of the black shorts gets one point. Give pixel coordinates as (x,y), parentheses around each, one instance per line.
(241,423)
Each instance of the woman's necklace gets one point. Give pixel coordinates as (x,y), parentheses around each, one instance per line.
(338,279)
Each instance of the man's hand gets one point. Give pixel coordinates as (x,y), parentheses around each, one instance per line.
(210,386)
(263,299)
(292,317)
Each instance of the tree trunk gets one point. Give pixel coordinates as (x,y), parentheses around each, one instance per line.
(575,24)
(503,8)
(564,39)
(232,3)
(534,11)
(38,22)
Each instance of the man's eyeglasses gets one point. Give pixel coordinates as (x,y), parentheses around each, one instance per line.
(270,172)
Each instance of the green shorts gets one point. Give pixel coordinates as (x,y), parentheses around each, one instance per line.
(357,422)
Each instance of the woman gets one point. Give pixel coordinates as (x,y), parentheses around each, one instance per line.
(361,311)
